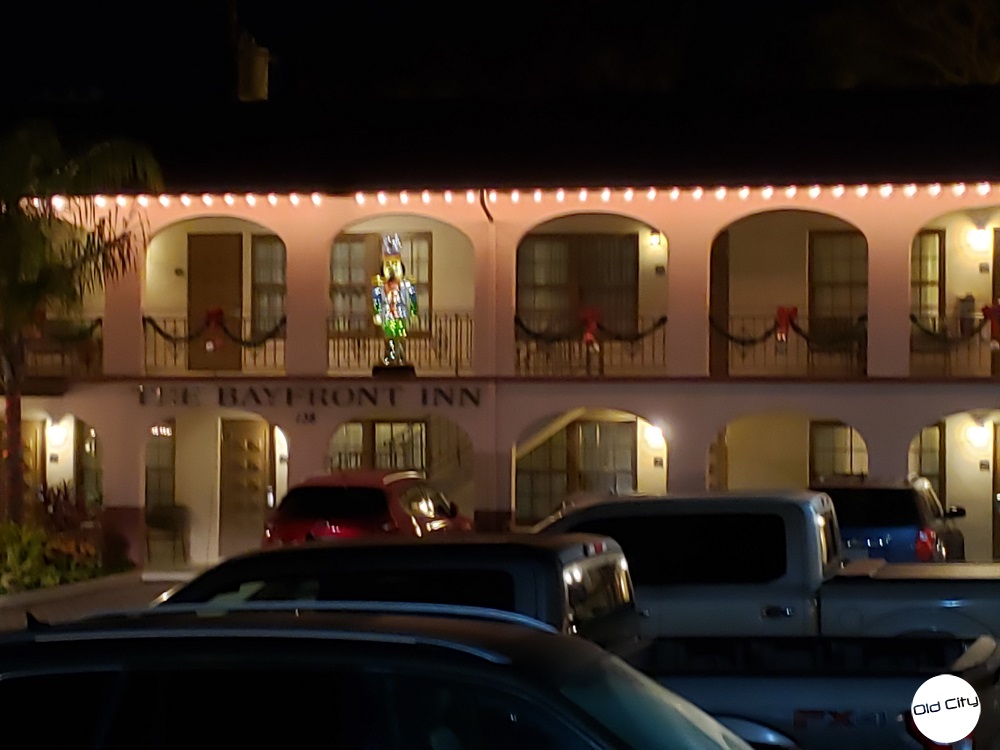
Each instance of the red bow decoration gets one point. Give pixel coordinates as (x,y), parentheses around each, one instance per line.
(591,318)
(785,316)
(214,321)
(992,314)
(214,318)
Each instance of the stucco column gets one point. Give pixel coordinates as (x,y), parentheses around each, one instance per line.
(689,438)
(485,319)
(122,329)
(501,317)
(307,305)
(308,449)
(888,444)
(123,448)
(687,301)
(888,299)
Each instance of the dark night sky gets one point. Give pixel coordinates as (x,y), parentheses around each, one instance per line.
(326,51)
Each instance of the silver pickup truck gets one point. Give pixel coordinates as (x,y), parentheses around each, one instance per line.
(770,564)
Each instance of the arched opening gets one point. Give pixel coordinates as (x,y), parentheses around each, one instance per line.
(953,278)
(789,296)
(214,297)
(212,478)
(591,297)
(438,260)
(431,444)
(586,452)
(785,451)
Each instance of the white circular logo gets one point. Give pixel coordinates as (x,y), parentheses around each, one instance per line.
(945,709)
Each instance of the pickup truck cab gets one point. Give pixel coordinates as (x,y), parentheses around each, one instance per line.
(772,563)
(577,583)
(721,563)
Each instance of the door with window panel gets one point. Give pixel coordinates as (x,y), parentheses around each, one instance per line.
(401,445)
(347,447)
(838,290)
(607,457)
(835,450)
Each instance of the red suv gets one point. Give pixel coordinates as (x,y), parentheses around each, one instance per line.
(358,502)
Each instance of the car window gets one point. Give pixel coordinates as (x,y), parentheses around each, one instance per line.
(252,706)
(597,591)
(82,701)
(444,714)
(718,548)
(417,502)
(474,588)
(332,503)
(441,505)
(867,507)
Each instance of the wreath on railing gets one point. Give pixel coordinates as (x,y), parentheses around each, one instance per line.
(785,320)
(587,330)
(214,326)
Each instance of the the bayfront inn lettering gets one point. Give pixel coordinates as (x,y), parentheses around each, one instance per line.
(343,396)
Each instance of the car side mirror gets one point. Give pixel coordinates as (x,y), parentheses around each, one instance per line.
(955,511)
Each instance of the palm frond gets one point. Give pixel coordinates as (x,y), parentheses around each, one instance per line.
(28,155)
(113,166)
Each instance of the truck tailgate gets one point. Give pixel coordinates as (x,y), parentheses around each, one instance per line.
(825,693)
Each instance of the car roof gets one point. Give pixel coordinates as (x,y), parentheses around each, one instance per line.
(359,478)
(814,498)
(532,650)
(388,548)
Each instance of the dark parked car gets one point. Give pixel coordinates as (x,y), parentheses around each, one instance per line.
(372,678)
(903,522)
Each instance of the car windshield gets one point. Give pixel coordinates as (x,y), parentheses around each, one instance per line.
(328,503)
(859,507)
(642,713)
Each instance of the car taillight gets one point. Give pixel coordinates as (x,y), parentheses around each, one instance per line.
(927,543)
(911,729)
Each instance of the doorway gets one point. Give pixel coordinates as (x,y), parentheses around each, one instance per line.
(215,283)
(718,356)
(246,477)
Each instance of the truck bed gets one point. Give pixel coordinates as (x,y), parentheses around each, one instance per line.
(880,570)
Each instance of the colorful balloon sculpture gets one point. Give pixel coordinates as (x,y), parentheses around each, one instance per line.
(394,300)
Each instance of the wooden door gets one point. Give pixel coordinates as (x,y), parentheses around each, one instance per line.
(996,491)
(995,355)
(245,473)
(215,282)
(33,445)
(718,306)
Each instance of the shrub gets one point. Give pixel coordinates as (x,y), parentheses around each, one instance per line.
(32,558)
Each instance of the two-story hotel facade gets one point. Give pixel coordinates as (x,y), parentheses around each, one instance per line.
(581,339)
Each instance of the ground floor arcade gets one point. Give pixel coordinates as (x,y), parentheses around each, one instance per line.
(187,470)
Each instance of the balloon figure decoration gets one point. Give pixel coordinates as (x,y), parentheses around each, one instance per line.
(395,303)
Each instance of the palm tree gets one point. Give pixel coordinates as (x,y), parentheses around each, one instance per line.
(56,245)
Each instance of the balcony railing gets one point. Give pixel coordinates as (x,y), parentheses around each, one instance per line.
(821,347)
(437,344)
(66,349)
(562,351)
(169,343)
(951,347)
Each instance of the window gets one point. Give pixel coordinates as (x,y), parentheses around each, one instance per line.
(160,457)
(835,450)
(602,590)
(927,265)
(439,713)
(84,699)
(588,456)
(89,473)
(557,275)
(927,458)
(860,507)
(401,445)
(329,503)
(468,587)
(347,447)
(717,548)
(267,294)
(838,281)
(357,258)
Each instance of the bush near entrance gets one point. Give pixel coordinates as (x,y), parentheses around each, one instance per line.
(32,558)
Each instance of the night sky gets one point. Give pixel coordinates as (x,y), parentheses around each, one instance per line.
(118,51)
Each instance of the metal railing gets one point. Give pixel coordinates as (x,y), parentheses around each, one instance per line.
(828,348)
(66,349)
(169,341)
(942,347)
(622,353)
(437,344)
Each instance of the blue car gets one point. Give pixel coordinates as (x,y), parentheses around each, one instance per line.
(898,522)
